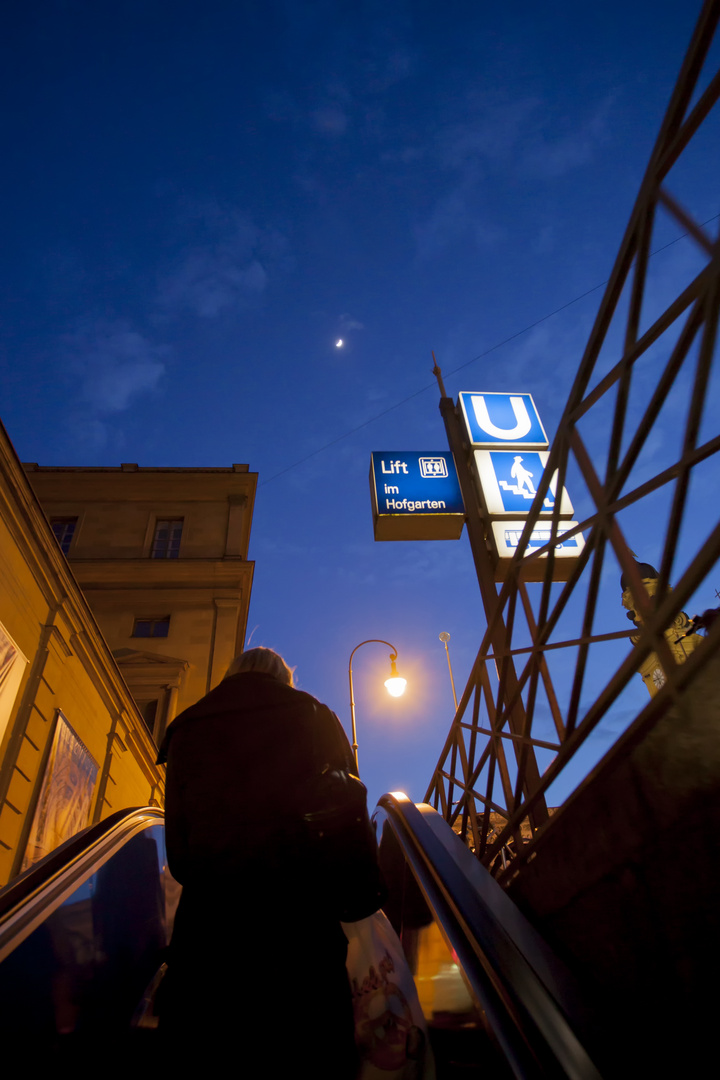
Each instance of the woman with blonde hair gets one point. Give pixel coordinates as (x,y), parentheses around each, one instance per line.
(262,660)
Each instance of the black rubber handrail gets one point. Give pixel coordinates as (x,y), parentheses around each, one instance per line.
(530,1000)
(36,875)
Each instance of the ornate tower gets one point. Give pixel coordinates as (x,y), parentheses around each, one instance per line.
(679,636)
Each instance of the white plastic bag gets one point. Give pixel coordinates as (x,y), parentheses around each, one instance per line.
(390,1029)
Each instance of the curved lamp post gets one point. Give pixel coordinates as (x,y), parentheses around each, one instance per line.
(445,637)
(395,685)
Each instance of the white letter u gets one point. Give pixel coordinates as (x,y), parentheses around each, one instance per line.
(519,408)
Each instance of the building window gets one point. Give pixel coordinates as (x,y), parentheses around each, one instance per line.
(166,542)
(152,627)
(64,529)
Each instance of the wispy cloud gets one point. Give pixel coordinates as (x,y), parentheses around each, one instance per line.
(348,97)
(227,269)
(116,362)
(388,67)
(349,323)
(456,216)
(330,119)
(492,132)
(113,364)
(525,132)
(518,137)
(550,156)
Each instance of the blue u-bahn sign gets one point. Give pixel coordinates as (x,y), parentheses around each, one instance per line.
(415,495)
(508,459)
(497,420)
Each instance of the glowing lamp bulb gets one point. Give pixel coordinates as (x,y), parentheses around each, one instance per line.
(396,685)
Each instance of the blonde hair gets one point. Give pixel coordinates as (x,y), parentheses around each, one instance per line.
(262,660)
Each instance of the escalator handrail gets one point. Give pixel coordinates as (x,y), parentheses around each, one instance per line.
(21,887)
(531,1001)
(36,893)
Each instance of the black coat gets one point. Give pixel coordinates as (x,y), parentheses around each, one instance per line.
(257,960)
(241,764)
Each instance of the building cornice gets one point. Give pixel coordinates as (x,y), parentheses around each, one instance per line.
(229,573)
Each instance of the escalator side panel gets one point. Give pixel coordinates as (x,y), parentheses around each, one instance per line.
(25,885)
(85,967)
(525,994)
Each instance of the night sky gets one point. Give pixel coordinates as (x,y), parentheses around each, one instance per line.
(200,199)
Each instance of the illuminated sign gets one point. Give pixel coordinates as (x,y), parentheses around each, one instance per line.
(509,481)
(506,535)
(508,459)
(415,495)
(492,420)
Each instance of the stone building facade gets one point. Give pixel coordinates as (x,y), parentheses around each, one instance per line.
(124,595)
(161,557)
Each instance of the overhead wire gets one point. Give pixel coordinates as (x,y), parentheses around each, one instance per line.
(467,363)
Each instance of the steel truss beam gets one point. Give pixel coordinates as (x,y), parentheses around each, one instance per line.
(674,348)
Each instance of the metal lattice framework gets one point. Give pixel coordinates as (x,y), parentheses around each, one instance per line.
(635,447)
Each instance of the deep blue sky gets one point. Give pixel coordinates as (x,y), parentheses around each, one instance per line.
(200,198)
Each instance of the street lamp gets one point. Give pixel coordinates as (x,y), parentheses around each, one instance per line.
(395,685)
(445,637)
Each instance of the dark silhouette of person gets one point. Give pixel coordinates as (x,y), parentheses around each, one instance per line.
(256,969)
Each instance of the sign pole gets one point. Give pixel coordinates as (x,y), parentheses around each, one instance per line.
(485,570)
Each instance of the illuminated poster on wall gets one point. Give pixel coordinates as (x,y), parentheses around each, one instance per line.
(66,794)
(12,666)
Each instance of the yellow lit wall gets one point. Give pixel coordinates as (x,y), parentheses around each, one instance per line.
(62,664)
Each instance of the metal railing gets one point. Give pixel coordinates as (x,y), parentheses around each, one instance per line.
(635,446)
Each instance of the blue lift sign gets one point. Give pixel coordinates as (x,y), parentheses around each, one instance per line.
(415,495)
(497,420)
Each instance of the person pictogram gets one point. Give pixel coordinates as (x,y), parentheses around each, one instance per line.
(522,475)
